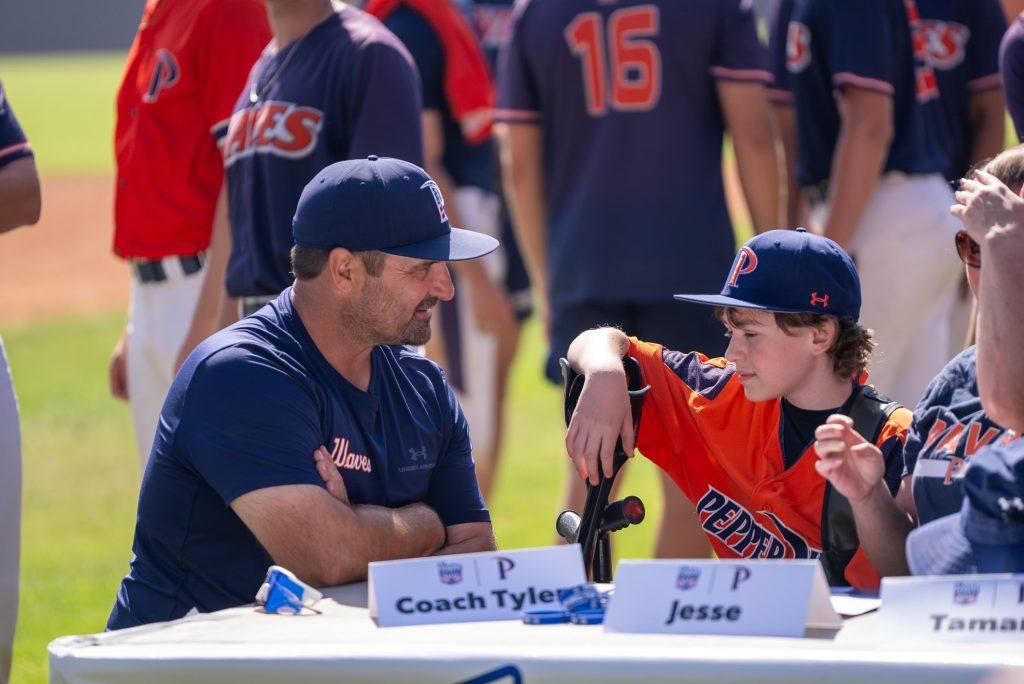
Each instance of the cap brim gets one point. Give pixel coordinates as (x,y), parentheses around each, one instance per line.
(940,548)
(458,245)
(722,300)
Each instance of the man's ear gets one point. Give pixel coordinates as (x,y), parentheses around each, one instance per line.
(824,336)
(344,270)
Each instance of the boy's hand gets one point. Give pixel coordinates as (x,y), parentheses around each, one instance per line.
(854,466)
(602,416)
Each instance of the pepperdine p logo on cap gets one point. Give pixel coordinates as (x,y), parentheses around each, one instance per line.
(790,271)
(384,204)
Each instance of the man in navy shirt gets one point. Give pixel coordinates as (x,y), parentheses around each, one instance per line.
(332,85)
(613,120)
(869,162)
(233,485)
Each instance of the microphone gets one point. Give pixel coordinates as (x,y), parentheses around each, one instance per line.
(567,525)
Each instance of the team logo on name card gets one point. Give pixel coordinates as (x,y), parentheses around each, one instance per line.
(687,577)
(966,593)
(449,573)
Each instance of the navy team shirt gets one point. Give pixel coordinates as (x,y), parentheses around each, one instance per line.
(632,152)
(13,144)
(468,165)
(246,412)
(961,38)
(349,91)
(1011,65)
(949,428)
(834,44)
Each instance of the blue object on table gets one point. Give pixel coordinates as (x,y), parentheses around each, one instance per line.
(545,617)
(587,617)
(285,594)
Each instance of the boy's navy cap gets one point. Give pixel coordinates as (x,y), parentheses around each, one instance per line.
(383,204)
(789,271)
(987,535)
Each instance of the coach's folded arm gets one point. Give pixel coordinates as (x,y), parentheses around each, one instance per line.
(327,542)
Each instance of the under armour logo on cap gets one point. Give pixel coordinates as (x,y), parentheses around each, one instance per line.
(816,300)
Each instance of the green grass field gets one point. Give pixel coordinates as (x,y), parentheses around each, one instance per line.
(80,468)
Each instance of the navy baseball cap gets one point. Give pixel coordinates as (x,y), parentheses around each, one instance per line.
(383,204)
(790,271)
(987,535)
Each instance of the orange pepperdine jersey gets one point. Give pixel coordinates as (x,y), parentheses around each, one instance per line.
(724,452)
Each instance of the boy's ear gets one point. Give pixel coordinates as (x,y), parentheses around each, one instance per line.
(824,335)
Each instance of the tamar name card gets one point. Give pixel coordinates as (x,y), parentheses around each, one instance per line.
(743,598)
(471,587)
(953,608)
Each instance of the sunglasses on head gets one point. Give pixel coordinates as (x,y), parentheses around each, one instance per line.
(968,250)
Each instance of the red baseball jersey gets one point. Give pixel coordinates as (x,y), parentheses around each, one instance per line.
(185,69)
(724,452)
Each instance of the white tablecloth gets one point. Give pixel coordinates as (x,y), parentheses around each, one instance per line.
(344,644)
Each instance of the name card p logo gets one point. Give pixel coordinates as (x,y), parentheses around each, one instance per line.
(739,576)
(505,566)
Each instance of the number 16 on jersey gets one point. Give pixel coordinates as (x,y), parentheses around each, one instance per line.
(621,65)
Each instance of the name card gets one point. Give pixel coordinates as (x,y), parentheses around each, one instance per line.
(954,608)
(472,587)
(744,598)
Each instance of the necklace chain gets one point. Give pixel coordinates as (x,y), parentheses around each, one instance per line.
(256,95)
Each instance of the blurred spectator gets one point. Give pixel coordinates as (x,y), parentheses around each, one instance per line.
(612,129)
(19,206)
(961,41)
(458,99)
(1011,66)
(332,85)
(183,73)
(871,168)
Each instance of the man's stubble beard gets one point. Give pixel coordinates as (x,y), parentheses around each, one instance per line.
(371,320)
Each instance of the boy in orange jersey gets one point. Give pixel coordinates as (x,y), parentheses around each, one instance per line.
(736,433)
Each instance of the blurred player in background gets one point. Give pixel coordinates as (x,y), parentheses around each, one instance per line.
(458,99)
(493,19)
(183,73)
(1011,67)
(613,121)
(961,43)
(19,206)
(871,167)
(332,85)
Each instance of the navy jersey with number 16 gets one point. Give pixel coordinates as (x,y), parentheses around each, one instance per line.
(626,95)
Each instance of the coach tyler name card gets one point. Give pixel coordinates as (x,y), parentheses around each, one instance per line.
(472,587)
(742,598)
(954,608)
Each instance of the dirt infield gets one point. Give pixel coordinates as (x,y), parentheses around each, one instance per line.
(63,265)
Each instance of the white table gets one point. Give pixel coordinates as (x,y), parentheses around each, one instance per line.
(344,644)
